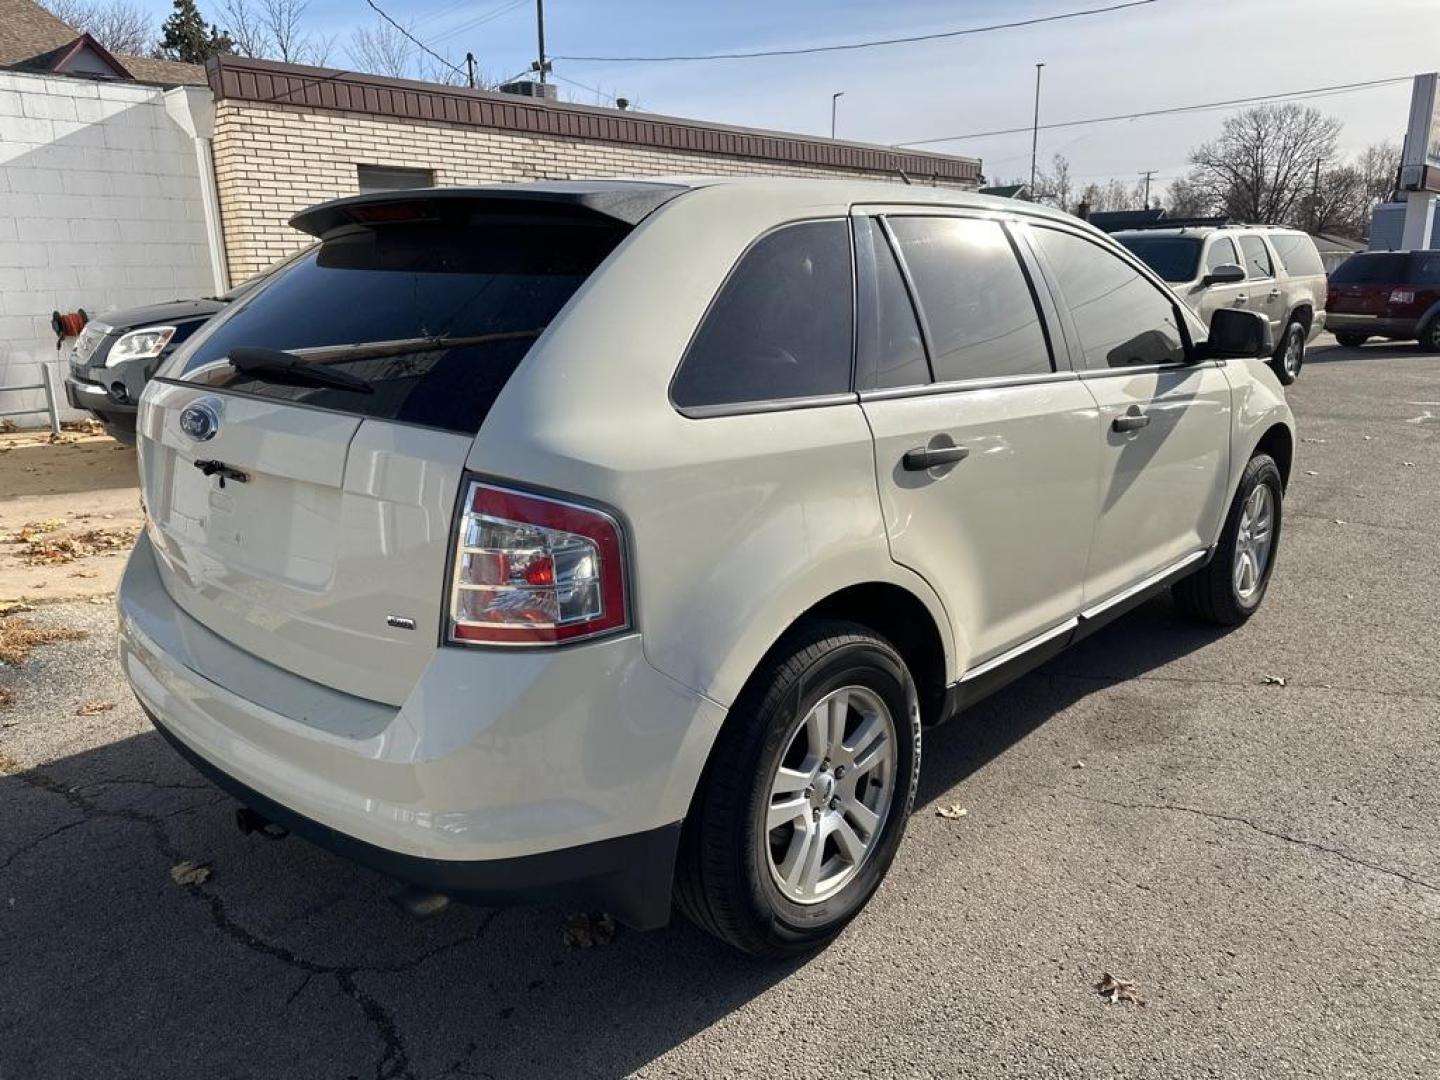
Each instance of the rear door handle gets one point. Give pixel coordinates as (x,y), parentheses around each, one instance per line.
(1131,421)
(925,457)
(1241,298)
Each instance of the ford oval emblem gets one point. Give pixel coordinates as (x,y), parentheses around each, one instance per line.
(201,419)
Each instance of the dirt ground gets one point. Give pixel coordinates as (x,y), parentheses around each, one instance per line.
(69,512)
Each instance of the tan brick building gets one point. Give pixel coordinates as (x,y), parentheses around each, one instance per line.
(286,137)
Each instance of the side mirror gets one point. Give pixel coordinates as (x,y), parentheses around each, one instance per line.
(1224,274)
(1239,335)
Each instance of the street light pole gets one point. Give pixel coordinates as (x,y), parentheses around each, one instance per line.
(834,98)
(1035,130)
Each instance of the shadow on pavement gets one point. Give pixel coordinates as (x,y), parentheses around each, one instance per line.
(1374,350)
(290,962)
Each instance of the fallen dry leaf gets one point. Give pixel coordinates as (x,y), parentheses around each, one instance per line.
(1311,472)
(1113,990)
(1078,765)
(94,708)
(6,697)
(45,550)
(18,638)
(83,427)
(583,930)
(952,812)
(1273,680)
(190,873)
(83,573)
(1339,522)
(1408,464)
(12,607)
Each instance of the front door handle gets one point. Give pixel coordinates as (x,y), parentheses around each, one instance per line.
(1133,420)
(926,457)
(1241,299)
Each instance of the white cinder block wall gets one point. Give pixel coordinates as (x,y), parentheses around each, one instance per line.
(100,208)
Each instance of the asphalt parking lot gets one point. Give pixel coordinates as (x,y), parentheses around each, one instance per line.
(1261,860)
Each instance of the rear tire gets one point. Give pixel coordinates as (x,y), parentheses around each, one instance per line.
(1350,339)
(1222,591)
(1430,339)
(1289,358)
(732,878)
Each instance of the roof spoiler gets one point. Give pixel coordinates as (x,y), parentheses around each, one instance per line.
(628,203)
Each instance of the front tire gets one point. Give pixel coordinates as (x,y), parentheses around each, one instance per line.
(1289,358)
(1230,587)
(806,796)
(1350,339)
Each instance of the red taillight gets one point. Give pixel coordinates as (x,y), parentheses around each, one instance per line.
(1402,296)
(533,571)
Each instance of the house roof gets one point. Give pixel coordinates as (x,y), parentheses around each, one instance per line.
(33,39)
(270,83)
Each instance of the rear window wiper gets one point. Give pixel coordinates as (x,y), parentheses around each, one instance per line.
(284,367)
(378,349)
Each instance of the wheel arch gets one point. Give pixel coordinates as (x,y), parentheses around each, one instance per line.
(1279,442)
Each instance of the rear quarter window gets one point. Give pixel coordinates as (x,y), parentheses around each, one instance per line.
(435,317)
(1380,268)
(1297,254)
(780,326)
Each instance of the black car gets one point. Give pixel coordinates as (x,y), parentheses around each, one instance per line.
(113,358)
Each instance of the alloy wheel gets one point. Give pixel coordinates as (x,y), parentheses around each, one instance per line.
(1254,542)
(830,794)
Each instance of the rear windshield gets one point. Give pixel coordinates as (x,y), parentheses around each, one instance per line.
(1379,268)
(1174,258)
(435,317)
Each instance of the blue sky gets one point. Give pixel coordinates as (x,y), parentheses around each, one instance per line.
(1171,52)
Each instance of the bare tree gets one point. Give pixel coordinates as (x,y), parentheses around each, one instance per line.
(1261,167)
(381,50)
(288,40)
(1184,199)
(1379,165)
(246,28)
(117,24)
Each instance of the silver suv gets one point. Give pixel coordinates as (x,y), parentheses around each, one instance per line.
(1276,272)
(614,542)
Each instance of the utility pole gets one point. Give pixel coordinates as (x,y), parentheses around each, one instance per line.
(1147,174)
(1315,200)
(835,97)
(470,68)
(540,65)
(1035,129)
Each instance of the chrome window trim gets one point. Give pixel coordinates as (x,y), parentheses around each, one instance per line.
(992,382)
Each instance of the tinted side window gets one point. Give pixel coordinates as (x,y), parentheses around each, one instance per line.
(890,349)
(975,297)
(1381,268)
(1257,257)
(1222,251)
(1425,268)
(1122,319)
(1297,254)
(780,325)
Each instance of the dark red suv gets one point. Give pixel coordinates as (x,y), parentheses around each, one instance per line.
(1389,294)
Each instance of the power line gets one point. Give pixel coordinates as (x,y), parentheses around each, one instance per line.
(856,44)
(470,24)
(584,86)
(1322,90)
(423,47)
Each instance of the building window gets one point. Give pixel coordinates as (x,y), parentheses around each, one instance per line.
(373,178)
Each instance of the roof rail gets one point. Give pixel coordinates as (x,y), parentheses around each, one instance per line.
(1217,221)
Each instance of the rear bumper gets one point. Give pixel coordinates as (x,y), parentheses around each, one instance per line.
(1339,322)
(506,777)
(629,876)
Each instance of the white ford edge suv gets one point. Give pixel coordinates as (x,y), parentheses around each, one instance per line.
(614,541)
